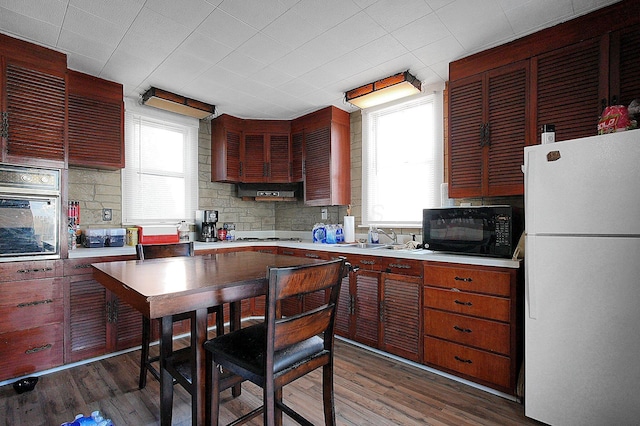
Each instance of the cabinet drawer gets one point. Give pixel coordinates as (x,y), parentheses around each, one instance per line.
(491,307)
(402,266)
(480,333)
(469,279)
(83,266)
(27,351)
(368,263)
(490,368)
(17,271)
(27,304)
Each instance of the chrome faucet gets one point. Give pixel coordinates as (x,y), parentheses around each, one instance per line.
(393,235)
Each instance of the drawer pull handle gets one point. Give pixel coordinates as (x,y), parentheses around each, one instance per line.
(38,349)
(83,266)
(34,303)
(400,265)
(463,330)
(290,253)
(466,361)
(466,280)
(459,302)
(312,255)
(368,262)
(33,270)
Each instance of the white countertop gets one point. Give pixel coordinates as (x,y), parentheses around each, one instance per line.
(305,245)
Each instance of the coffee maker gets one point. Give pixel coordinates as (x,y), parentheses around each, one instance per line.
(206,221)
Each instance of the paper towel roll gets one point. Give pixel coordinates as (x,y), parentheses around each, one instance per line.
(349,229)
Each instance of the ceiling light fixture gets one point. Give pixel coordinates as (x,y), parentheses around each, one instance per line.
(175,103)
(388,89)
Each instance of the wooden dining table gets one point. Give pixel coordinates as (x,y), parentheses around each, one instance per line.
(160,288)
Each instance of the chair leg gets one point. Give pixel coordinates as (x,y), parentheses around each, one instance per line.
(144,352)
(328,395)
(212,391)
(269,401)
(220,320)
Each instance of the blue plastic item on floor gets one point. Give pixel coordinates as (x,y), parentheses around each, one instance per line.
(94,420)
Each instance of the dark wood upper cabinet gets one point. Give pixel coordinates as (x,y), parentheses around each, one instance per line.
(314,149)
(326,150)
(266,151)
(226,138)
(33,103)
(96,122)
(564,75)
(488,128)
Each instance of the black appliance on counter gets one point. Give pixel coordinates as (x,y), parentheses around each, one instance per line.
(206,221)
(476,230)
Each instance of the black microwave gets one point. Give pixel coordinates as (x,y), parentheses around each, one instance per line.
(483,230)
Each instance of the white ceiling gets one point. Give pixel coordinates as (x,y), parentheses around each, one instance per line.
(274,59)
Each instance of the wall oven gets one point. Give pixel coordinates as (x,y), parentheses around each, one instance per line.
(29,213)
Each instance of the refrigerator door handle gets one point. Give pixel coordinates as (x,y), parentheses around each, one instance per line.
(530,289)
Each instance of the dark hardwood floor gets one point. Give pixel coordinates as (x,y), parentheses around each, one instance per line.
(370,389)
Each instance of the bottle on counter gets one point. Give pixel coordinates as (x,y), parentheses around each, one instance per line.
(183,232)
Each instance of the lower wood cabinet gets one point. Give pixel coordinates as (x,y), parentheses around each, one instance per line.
(471,323)
(31,317)
(98,322)
(380,307)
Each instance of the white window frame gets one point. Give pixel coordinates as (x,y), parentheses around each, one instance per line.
(372,207)
(133,196)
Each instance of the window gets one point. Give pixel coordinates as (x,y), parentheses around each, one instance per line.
(401,161)
(160,178)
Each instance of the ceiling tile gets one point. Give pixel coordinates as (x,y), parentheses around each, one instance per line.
(263,48)
(441,50)
(51,12)
(475,24)
(78,43)
(421,32)
(226,29)
(189,13)
(256,13)
(241,64)
(292,30)
(327,13)
(22,26)
(92,27)
(119,12)
(393,14)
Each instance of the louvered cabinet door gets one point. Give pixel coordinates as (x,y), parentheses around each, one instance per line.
(401,315)
(297,156)
(625,66)
(366,308)
(253,158)
(567,92)
(96,122)
(317,166)
(279,158)
(226,137)
(507,132)
(89,315)
(343,310)
(128,323)
(35,114)
(465,150)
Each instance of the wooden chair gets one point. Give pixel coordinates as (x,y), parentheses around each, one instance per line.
(280,350)
(155,251)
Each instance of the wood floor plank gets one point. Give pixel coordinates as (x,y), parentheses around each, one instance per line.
(370,389)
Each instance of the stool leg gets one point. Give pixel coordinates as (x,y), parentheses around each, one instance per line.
(144,352)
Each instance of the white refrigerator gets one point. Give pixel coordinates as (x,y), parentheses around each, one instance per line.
(582,285)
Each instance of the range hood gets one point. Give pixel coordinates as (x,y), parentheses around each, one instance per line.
(270,191)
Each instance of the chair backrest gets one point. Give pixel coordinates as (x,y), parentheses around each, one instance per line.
(155,251)
(300,280)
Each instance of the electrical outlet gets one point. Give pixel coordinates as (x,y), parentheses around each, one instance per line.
(325,214)
(107,214)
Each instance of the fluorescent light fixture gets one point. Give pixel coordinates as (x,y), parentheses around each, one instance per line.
(168,101)
(386,90)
